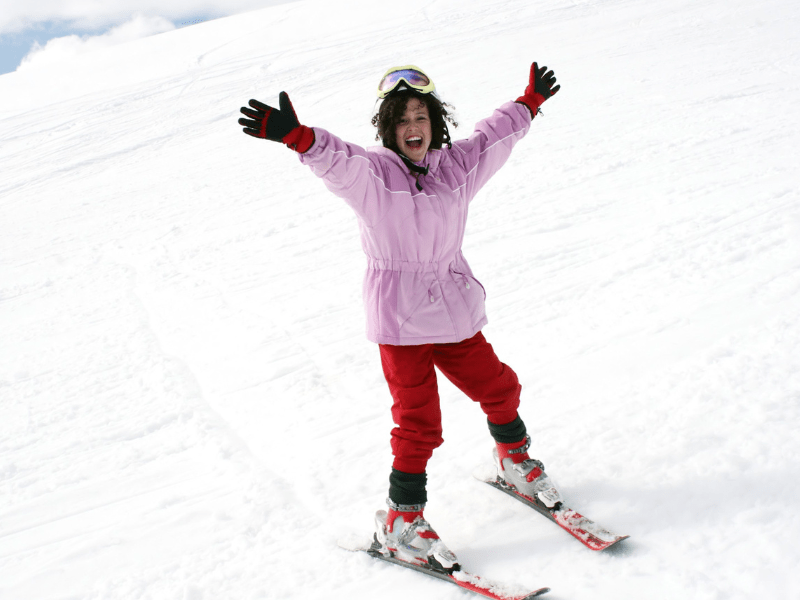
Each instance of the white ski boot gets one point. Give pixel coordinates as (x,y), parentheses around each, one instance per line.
(405,534)
(524,474)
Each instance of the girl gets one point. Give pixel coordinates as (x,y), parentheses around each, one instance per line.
(425,308)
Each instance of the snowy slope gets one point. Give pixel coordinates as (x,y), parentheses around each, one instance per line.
(189,408)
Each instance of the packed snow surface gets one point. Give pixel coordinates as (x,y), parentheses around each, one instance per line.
(189,408)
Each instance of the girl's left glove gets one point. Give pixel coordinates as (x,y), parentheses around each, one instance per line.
(278,125)
(540,88)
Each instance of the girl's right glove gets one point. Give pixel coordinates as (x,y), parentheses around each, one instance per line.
(540,88)
(278,125)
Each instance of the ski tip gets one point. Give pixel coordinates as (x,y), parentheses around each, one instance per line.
(354,542)
(614,546)
(493,589)
(486,472)
(599,544)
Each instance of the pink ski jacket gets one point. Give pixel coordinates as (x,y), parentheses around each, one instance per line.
(418,287)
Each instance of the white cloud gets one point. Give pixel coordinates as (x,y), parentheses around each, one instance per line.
(18,16)
(59,49)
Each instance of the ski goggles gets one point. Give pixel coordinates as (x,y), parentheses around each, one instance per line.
(413,77)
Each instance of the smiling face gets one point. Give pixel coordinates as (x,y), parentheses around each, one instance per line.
(413,133)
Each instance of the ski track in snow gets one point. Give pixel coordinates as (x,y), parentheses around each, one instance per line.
(189,408)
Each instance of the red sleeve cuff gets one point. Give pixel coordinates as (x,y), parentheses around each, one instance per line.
(300,139)
(532,101)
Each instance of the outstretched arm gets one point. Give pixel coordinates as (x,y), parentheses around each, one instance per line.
(345,168)
(488,148)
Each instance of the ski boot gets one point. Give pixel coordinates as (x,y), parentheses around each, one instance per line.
(404,534)
(524,474)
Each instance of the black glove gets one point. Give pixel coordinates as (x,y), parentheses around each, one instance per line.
(540,88)
(278,125)
(543,81)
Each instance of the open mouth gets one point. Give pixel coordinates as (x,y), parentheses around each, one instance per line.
(414,142)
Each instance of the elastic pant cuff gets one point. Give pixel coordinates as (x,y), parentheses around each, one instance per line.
(510,433)
(408,488)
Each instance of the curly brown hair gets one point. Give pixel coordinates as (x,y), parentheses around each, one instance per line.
(393,108)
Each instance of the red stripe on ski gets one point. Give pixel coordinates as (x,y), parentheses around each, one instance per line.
(589,533)
(468,581)
(488,589)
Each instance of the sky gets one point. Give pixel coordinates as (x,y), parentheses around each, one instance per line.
(28,30)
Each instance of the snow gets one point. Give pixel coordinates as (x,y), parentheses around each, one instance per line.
(189,408)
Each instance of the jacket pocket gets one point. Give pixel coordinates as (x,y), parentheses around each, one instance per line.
(469,280)
(425,315)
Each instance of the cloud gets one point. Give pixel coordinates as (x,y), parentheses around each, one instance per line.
(19,15)
(60,49)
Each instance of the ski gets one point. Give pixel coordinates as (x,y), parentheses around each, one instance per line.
(589,533)
(468,581)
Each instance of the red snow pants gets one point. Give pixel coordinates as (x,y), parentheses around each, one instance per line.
(471,365)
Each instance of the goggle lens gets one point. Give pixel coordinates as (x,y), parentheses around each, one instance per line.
(412,77)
